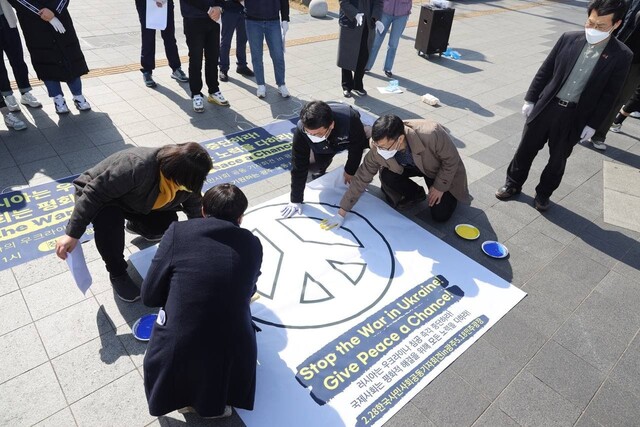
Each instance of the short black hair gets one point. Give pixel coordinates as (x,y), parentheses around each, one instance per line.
(389,126)
(224,201)
(185,164)
(606,7)
(316,115)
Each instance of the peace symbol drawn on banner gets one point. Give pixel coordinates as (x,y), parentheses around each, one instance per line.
(312,278)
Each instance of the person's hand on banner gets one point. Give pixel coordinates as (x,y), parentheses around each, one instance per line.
(527,108)
(57,25)
(587,133)
(161,3)
(347,178)
(285,27)
(359,18)
(335,221)
(379,27)
(64,245)
(291,209)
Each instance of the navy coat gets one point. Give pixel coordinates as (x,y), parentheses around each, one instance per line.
(205,355)
(54,56)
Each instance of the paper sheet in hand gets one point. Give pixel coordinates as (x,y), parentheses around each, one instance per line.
(79,270)
(156,18)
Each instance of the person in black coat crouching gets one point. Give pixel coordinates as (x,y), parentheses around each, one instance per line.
(202,357)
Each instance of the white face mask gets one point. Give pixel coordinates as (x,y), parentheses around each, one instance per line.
(387,154)
(316,139)
(596,36)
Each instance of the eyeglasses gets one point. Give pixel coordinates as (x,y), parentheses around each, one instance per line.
(597,25)
(390,146)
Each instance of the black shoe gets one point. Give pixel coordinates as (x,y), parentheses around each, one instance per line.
(541,203)
(148,79)
(132,228)
(360,92)
(245,71)
(388,73)
(318,174)
(346,93)
(407,202)
(507,191)
(223,77)
(125,288)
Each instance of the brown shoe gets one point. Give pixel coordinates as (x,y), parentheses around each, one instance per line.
(507,191)
(540,203)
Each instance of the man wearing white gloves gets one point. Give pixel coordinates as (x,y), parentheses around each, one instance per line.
(569,97)
(324,130)
(358,20)
(267,20)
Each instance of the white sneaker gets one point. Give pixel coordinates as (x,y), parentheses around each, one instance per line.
(11,102)
(218,99)
(198,104)
(262,91)
(284,91)
(616,128)
(30,100)
(60,104)
(598,145)
(635,114)
(81,103)
(13,122)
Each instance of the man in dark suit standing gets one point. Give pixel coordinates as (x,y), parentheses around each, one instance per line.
(569,98)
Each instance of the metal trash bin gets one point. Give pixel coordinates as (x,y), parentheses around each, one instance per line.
(434,29)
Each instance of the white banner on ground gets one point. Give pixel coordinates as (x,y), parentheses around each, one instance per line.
(356,321)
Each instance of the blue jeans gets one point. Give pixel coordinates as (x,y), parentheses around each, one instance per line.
(55,88)
(233,21)
(257,31)
(397,24)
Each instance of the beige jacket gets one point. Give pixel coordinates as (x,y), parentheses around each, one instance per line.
(434,154)
(9,13)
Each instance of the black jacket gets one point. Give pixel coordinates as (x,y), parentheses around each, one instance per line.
(204,356)
(601,89)
(267,10)
(54,56)
(198,8)
(129,179)
(347,134)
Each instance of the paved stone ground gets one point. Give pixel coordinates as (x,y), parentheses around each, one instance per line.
(567,355)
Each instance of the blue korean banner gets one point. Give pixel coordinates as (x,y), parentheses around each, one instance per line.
(31,219)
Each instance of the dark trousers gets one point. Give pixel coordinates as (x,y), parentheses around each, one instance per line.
(353,80)
(108,228)
(203,35)
(633,103)
(233,21)
(148,51)
(630,85)
(553,124)
(402,184)
(11,45)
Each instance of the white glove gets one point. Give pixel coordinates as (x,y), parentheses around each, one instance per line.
(359,18)
(527,108)
(291,209)
(587,133)
(379,27)
(285,27)
(335,221)
(57,25)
